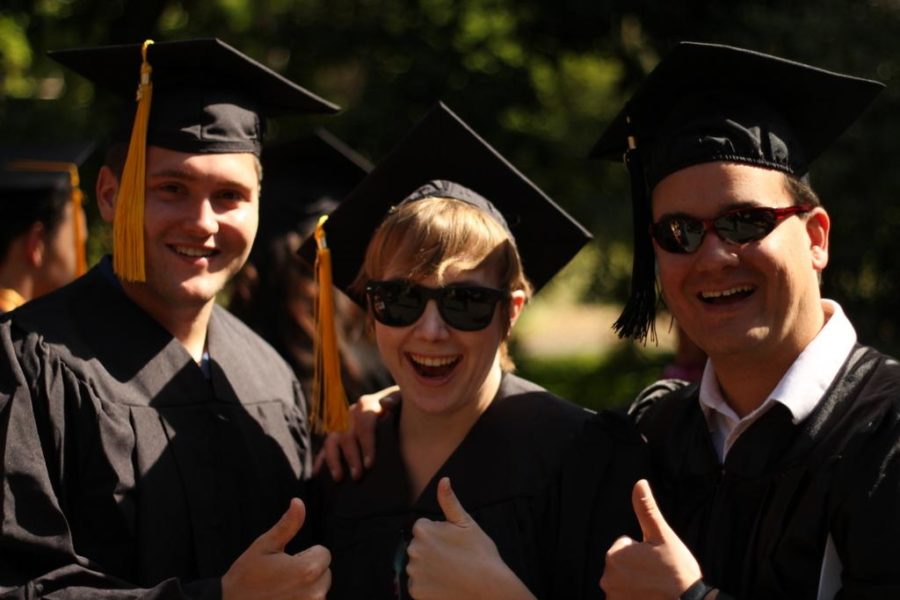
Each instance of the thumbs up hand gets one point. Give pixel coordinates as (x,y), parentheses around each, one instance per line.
(456,559)
(660,566)
(266,572)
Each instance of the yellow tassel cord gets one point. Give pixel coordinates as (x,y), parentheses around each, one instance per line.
(328,407)
(128,224)
(77,201)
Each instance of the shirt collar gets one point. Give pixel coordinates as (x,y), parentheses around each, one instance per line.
(799,390)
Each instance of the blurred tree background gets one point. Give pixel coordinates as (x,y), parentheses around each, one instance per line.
(539,80)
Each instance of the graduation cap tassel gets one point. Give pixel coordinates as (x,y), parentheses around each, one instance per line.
(638,318)
(128,224)
(77,199)
(328,410)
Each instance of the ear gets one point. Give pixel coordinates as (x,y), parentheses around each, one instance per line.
(516,305)
(107,188)
(35,243)
(818,226)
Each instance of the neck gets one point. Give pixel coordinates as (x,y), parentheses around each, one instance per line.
(747,379)
(427,440)
(188,324)
(19,287)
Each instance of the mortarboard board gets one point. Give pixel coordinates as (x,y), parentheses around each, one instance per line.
(206,97)
(442,148)
(35,173)
(304,179)
(706,103)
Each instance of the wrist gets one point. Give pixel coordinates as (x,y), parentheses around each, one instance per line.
(699,590)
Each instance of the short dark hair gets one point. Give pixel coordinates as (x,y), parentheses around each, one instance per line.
(25,208)
(801,191)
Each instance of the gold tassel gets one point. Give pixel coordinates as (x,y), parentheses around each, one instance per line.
(77,199)
(328,408)
(128,224)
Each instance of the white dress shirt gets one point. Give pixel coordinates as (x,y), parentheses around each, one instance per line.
(800,391)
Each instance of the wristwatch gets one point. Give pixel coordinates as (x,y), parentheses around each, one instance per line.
(698,591)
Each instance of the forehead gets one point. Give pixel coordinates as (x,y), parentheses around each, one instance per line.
(709,188)
(241,167)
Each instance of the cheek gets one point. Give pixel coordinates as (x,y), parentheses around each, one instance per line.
(244,222)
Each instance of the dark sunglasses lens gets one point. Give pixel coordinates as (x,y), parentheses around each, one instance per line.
(678,234)
(468,308)
(396,304)
(744,226)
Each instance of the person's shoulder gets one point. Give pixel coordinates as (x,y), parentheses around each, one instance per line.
(662,396)
(526,398)
(52,319)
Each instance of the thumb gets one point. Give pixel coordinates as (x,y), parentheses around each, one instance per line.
(450,505)
(276,538)
(653,525)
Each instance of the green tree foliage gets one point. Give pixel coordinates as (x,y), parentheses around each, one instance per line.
(538,79)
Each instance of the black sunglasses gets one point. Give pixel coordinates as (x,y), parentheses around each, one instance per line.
(681,234)
(400,303)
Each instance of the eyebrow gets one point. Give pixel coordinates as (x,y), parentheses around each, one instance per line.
(188,175)
(736,205)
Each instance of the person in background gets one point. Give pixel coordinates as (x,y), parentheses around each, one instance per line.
(43,229)
(153,446)
(443,243)
(275,292)
(778,473)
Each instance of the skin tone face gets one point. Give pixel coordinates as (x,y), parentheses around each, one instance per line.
(442,371)
(57,258)
(199,223)
(752,304)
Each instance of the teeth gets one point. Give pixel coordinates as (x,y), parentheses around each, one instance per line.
(432,361)
(194,252)
(725,293)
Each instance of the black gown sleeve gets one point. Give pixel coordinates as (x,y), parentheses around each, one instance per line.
(37,554)
(866,528)
(595,502)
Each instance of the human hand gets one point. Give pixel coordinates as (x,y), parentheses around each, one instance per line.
(357,443)
(456,559)
(660,566)
(265,572)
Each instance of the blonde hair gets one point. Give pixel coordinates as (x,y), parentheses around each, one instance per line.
(424,238)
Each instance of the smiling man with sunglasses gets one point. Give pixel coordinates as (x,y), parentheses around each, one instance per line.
(778,474)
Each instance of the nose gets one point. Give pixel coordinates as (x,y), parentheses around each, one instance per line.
(715,252)
(202,222)
(431,325)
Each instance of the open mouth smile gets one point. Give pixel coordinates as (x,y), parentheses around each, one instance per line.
(433,367)
(194,252)
(725,296)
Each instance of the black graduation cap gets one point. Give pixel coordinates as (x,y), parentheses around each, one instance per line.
(442,148)
(193,96)
(304,179)
(33,176)
(207,97)
(707,102)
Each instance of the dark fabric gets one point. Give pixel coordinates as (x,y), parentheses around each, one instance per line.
(443,147)
(759,523)
(123,467)
(549,482)
(441,188)
(207,96)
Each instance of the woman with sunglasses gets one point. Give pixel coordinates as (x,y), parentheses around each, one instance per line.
(444,281)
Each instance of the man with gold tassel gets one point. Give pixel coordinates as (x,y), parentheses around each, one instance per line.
(151,444)
(42,223)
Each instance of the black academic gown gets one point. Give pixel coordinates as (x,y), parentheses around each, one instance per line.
(548,481)
(759,523)
(124,466)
